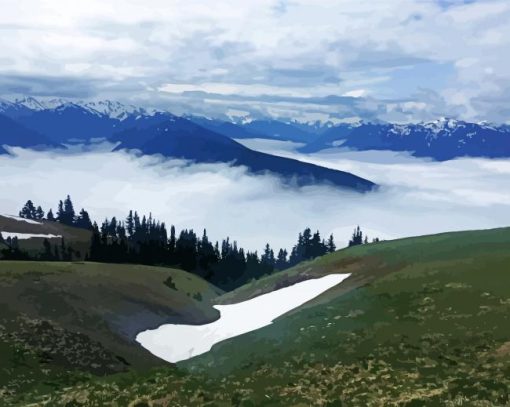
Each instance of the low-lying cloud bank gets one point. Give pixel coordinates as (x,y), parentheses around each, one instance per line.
(417,197)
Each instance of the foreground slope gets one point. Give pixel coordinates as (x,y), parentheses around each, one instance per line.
(421,321)
(59,320)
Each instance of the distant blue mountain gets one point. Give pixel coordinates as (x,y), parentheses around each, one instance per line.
(15,135)
(69,122)
(59,121)
(65,122)
(279,130)
(267,129)
(443,139)
(181,138)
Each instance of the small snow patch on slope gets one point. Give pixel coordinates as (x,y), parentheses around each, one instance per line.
(32,222)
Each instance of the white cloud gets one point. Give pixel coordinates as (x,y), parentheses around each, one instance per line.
(259,47)
(356,93)
(417,197)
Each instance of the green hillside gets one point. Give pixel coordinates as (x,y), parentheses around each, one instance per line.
(421,321)
(59,320)
(78,239)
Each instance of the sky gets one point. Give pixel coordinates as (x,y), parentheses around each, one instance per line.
(416,196)
(307,60)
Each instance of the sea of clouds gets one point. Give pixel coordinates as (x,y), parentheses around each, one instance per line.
(416,196)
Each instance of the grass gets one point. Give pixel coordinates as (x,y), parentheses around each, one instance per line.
(60,322)
(421,321)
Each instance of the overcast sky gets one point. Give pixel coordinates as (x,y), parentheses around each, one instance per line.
(394,60)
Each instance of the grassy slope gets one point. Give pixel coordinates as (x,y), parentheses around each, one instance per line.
(422,321)
(428,322)
(83,317)
(78,238)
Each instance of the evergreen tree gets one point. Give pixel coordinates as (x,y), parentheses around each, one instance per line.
(28,211)
(69,211)
(95,253)
(281,260)
(130,224)
(357,237)
(39,213)
(331,247)
(60,212)
(268,257)
(49,216)
(83,220)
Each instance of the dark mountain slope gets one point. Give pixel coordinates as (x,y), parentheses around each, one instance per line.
(180,138)
(68,122)
(14,134)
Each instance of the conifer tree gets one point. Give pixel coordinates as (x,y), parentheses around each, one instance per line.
(331,244)
(357,237)
(83,220)
(50,216)
(28,211)
(39,213)
(281,260)
(60,212)
(69,211)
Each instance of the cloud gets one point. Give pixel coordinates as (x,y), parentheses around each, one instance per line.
(417,197)
(138,50)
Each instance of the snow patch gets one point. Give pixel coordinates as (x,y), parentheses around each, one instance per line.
(21,236)
(32,222)
(174,342)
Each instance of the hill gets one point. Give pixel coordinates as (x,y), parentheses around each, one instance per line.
(180,138)
(421,321)
(63,321)
(31,235)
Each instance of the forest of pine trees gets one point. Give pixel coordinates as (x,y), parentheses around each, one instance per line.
(142,239)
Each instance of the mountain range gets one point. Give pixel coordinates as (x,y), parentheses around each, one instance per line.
(57,122)
(442,139)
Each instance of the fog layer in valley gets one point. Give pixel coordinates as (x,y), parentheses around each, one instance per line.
(416,197)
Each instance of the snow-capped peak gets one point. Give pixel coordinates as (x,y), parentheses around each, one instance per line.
(112,109)
(31,103)
(116,110)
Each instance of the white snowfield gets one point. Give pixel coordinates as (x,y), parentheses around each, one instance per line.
(33,222)
(174,343)
(20,236)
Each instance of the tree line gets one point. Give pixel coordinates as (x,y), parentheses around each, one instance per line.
(143,239)
(65,214)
